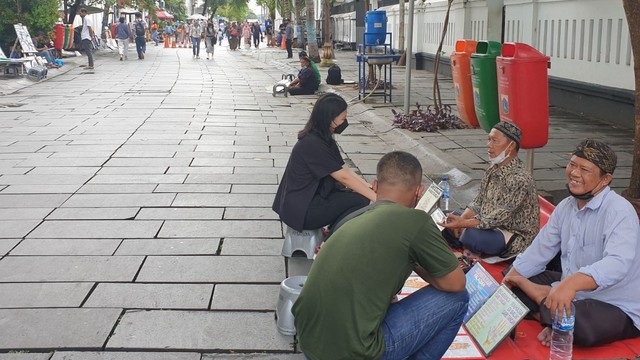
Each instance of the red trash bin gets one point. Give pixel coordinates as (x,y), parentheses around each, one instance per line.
(58,42)
(113,30)
(461,71)
(523,92)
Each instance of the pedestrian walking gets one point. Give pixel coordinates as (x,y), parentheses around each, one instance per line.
(141,41)
(288,33)
(246,34)
(87,35)
(196,34)
(257,34)
(210,38)
(180,35)
(187,35)
(154,32)
(123,34)
(168,33)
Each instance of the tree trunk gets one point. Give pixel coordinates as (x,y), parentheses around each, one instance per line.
(401,25)
(632,11)
(310,23)
(297,12)
(327,48)
(437,98)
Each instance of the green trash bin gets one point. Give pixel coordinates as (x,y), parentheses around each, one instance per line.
(485,83)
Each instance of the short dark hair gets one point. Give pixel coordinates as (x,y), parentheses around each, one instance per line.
(326,109)
(399,168)
(83,10)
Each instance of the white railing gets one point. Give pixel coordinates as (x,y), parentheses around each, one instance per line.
(587,40)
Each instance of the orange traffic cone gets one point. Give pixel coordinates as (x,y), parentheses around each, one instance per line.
(173,44)
(283,45)
(166,41)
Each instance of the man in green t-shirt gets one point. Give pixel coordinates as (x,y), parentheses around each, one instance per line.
(316,72)
(346,308)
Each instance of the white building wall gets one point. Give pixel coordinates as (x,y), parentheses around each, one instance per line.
(587,40)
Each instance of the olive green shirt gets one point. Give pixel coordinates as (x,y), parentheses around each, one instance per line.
(354,278)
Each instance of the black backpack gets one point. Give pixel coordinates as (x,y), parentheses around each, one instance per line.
(139,29)
(334,75)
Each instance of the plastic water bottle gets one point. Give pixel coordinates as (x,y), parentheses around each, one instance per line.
(562,335)
(444,185)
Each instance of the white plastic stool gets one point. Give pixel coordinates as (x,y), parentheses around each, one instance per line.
(305,241)
(289,290)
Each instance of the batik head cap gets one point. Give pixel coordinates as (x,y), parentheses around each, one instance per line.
(599,153)
(510,130)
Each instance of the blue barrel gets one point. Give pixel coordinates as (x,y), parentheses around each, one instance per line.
(376,27)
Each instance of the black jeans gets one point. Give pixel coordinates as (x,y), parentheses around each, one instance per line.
(338,204)
(597,322)
(288,43)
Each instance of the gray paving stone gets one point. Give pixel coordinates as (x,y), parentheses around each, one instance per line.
(224,200)
(130,170)
(32,201)
(256,356)
(200,170)
(116,355)
(133,162)
(150,296)
(119,200)
(118,189)
(55,328)
(58,170)
(245,297)
(44,179)
(245,269)
(93,229)
(259,170)
(72,161)
(41,189)
(138,179)
(223,228)
(67,247)
(250,214)
(69,268)
(193,188)
(231,179)
(232,162)
(6,245)
(159,329)
(234,246)
(254,189)
(173,213)
(17,228)
(35,295)
(168,247)
(25,356)
(98,213)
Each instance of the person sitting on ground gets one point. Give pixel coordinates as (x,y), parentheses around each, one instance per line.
(312,191)
(596,232)
(316,72)
(345,309)
(504,217)
(305,83)
(42,45)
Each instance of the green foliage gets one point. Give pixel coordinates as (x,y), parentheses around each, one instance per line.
(37,15)
(177,8)
(234,10)
(271,6)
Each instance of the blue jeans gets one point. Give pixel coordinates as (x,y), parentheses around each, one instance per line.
(483,241)
(196,45)
(141,46)
(423,325)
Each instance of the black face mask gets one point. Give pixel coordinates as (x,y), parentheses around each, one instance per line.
(340,128)
(586,196)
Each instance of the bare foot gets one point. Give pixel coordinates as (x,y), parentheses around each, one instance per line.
(545,336)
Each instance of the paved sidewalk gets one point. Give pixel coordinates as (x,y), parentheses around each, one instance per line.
(135,200)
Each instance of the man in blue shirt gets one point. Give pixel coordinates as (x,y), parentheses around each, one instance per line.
(288,33)
(597,234)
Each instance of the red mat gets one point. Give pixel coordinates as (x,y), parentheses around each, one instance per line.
(527,346)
